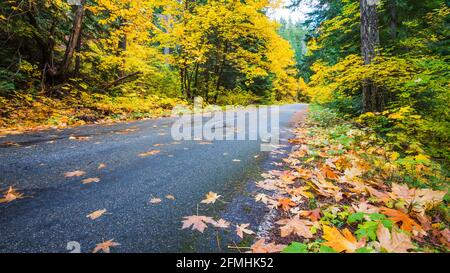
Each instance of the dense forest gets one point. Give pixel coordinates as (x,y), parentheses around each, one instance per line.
(401,85)
(136,58)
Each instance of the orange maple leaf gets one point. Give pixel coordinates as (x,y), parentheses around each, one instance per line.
(340,242)
(105,246)
(286,203)
(329,173)
(397,216)
(313,215)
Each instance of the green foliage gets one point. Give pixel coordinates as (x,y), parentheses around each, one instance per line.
(326,249)
(369,227)
(296,247)
(411,72)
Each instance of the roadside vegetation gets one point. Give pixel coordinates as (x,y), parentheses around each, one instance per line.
(369,172)
(345,189)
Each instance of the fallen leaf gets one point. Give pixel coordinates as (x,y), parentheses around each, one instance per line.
(286,203)
(382,196)
(340,242)
(10,195)
(10,144)
(149,153)
(126,131)
(365,207)
(329,173)
(295,225)
(260,246)
(105,246)
(443,236)
(197,222)
(304,173)
(241,229)
(101,166)
(211,197)
(96,214)
(394,242)
(155,200)
(74,174)
(90,180)
(313,215)
(81,138)
(397,216)
(303,191)
(261,197)
(170,197)
(221,223)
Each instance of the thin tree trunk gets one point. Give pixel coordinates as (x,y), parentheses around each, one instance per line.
(122,48)
(78,57)
(369,43)
(73,39)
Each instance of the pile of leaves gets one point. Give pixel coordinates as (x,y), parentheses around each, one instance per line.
(342,189)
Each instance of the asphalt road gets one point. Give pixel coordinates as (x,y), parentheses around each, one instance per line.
(53,212)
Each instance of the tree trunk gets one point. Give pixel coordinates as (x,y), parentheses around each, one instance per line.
(73,39)
(78,58)
(122,48)
(369,43)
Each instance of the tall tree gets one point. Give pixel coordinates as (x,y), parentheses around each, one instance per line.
(370,40)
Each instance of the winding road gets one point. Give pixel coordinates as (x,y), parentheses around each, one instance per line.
(54,208)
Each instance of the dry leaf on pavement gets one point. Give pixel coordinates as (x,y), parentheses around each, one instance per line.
(221,223)
(211,197)
(96,214)
(90,180)
(241,229)
(74,174)
(149,153)
(198,222)
(170,197)
(155,200)
(10,195)
(105,246)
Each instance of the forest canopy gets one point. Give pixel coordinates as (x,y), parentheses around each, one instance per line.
(408,72)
